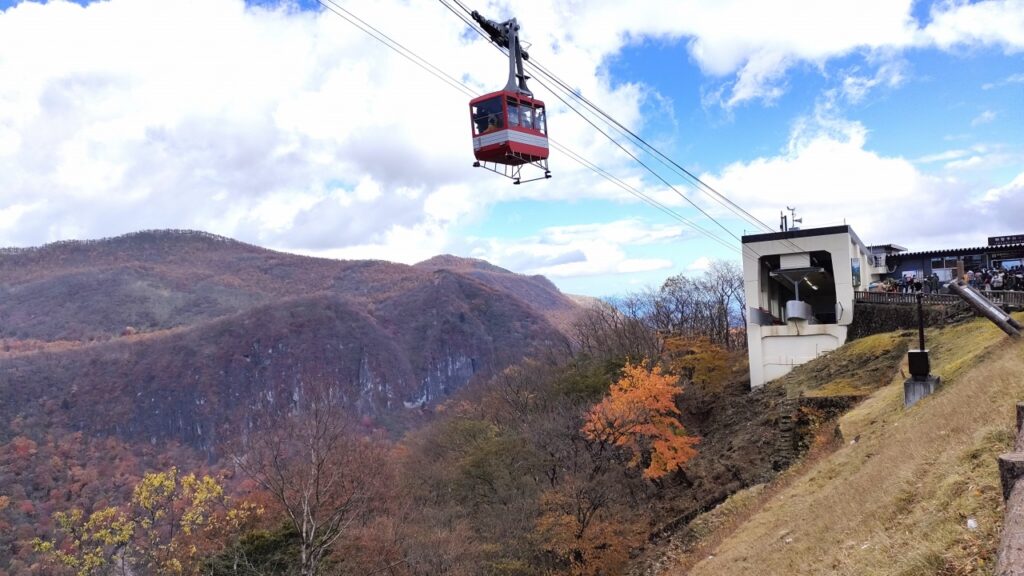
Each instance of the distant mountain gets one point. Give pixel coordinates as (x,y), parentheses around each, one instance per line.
(178,335)
(536,290)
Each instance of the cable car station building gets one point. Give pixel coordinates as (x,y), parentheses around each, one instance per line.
(799,285)
(1006,252)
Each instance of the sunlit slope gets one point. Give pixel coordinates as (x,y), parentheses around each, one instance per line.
(897,496)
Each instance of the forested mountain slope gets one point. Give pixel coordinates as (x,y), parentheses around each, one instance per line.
(176,335)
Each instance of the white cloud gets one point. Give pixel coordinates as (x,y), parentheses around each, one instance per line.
(701,264)
(581,250)
(1002,206)
(1009,80)
(991,23)
(973,157)
(828,173)
(942,156)
(965,163)
(856,87)
(293,129)
(285,128)
(750,46)
(984,118)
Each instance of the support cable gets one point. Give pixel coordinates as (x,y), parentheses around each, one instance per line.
(382,37)
(693,180)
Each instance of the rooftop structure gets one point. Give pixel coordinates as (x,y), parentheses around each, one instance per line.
(1005,252)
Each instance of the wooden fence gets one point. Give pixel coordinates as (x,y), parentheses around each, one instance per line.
(1010,558)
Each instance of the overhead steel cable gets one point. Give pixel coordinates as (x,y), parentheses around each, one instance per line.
(625,130)
(656,175)
(664,159)
(390,42)
(572,94)
(385,39)
(632,190)
(693,180)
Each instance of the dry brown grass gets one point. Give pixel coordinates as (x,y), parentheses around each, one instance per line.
(857,369)
(703,536)
(897,500)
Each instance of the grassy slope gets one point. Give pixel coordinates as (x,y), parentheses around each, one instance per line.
(896,501)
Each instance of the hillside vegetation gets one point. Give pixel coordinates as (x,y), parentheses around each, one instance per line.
(271,414)
(897,492)
(182,333)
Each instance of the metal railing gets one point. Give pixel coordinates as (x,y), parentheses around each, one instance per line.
(904,298)
(1012,298)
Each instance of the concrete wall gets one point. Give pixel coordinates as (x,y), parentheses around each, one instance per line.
(781,348)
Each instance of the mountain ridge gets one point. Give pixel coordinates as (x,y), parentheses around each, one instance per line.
(184,332)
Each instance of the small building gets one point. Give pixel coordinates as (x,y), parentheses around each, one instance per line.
(1005,252)
(799,286)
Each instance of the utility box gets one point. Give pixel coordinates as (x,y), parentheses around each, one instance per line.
(797,310)
(919,364)
(921,383)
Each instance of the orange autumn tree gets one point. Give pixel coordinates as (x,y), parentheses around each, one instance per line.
(698,360)
(640,415)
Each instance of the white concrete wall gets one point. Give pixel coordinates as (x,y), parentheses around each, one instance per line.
(782,348)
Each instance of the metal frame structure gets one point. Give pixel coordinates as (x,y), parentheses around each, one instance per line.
(514,171)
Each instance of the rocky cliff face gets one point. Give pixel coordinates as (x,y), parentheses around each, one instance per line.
(184,336)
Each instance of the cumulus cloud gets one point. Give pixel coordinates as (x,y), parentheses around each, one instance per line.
(582,250)
(271,124)
(1002,206)
(292,129)
(830,175)
(998,23)
(751,46)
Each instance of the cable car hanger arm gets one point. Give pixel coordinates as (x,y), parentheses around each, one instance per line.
(506,35)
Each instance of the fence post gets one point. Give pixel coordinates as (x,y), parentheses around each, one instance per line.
(1010,558)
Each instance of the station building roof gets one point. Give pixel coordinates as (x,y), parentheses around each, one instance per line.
(958,251)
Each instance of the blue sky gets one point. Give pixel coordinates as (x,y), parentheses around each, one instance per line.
(282,125)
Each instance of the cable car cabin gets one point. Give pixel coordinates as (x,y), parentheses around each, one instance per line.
(509,128)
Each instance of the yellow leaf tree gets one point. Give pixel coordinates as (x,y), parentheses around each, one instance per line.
(640,415)
(166,528)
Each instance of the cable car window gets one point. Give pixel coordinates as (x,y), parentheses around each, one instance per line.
(513,112)
(540,122)
(487,116)
(527,114)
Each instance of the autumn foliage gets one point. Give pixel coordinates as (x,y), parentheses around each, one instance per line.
(172,521)
(698,360)
(640,416)
(182,348)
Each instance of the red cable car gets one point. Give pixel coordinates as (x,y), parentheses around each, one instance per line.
(510,128)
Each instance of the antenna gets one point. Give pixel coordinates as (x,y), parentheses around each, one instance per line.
(793,219)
